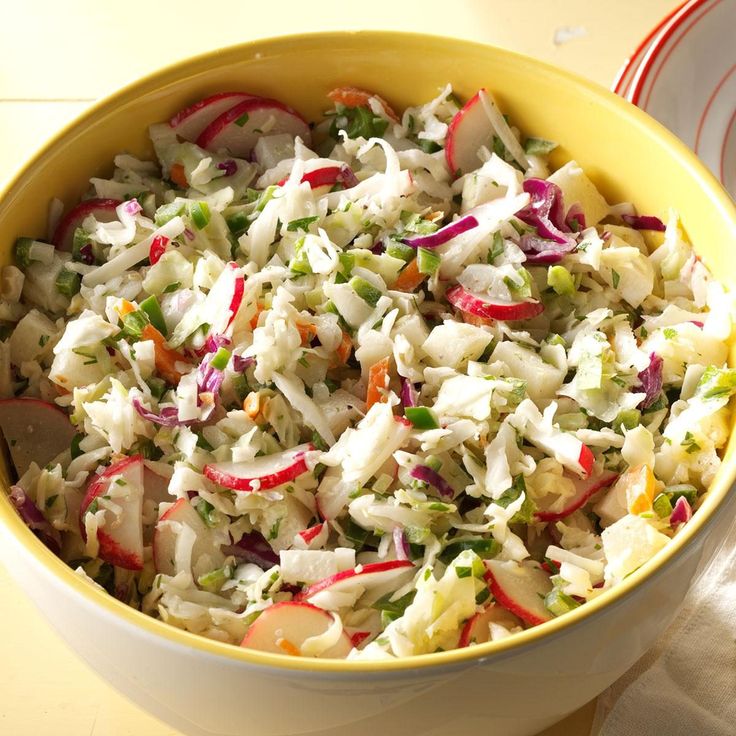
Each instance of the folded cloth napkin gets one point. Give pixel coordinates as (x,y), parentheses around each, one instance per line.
(686,684)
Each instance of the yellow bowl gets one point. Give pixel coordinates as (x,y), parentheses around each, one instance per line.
(512,687)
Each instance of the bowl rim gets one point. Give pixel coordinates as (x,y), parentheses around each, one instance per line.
(191,66)
(618,85)
(675,24)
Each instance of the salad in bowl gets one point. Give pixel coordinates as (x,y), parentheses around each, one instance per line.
(384,385)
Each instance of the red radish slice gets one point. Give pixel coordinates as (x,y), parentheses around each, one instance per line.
(284,627)
(267,471)
(219,308)
(35,431)
(586,459)
(477,629)
(309,534)
(165,537)
(328,176)
(103,210)
(366,576)
(468,131)
(156,487)
(520,588)
(192,120)
(358,637)
(121,537)
(238,129)
(312,538)
(584,491)
(482,306)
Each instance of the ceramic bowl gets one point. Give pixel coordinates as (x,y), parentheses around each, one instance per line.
(513,687)
(687,80)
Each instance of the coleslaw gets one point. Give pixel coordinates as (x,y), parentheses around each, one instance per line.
(381,386)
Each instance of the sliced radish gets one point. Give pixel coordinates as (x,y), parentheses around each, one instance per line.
(103,210)
(219,308)
(283,628)
(120,538)
(156,487)
(477,629)
(584,491)
(468,131)
(267,471)
(239,128)
(312,538)
(166,535)
(238,290)
(365,576)
(328,176)
(358,637)
(482,306)
(192,120)
(35,431)
(586,458)
(520,587)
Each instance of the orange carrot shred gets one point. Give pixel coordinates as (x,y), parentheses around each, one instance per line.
(377,383)
(177,175)
(410,277)
(356,97)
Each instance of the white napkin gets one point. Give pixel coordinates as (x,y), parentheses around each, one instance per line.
(686,684)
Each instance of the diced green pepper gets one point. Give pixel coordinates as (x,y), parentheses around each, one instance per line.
(200,214)
(397,249)
(168,212)
(427,261)
(629,418)
(560,279)
(220,359)
(365,290)
(23,251)
(79,241)
(662,505)
(68,283)
(557,602)
(347,263)
(237,223)
(134,323)
(486,549)
(155,316)
(687,491)
(421,417)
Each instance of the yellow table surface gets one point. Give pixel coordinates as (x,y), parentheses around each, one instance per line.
(57,57)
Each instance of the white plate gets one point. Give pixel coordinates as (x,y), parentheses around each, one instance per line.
(687,80)
(628,69)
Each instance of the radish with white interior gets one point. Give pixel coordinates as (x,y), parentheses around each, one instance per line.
(238,129)
(285,628)
(34,431)
(117,492)
(191,121)
(103,210)
(263,472)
